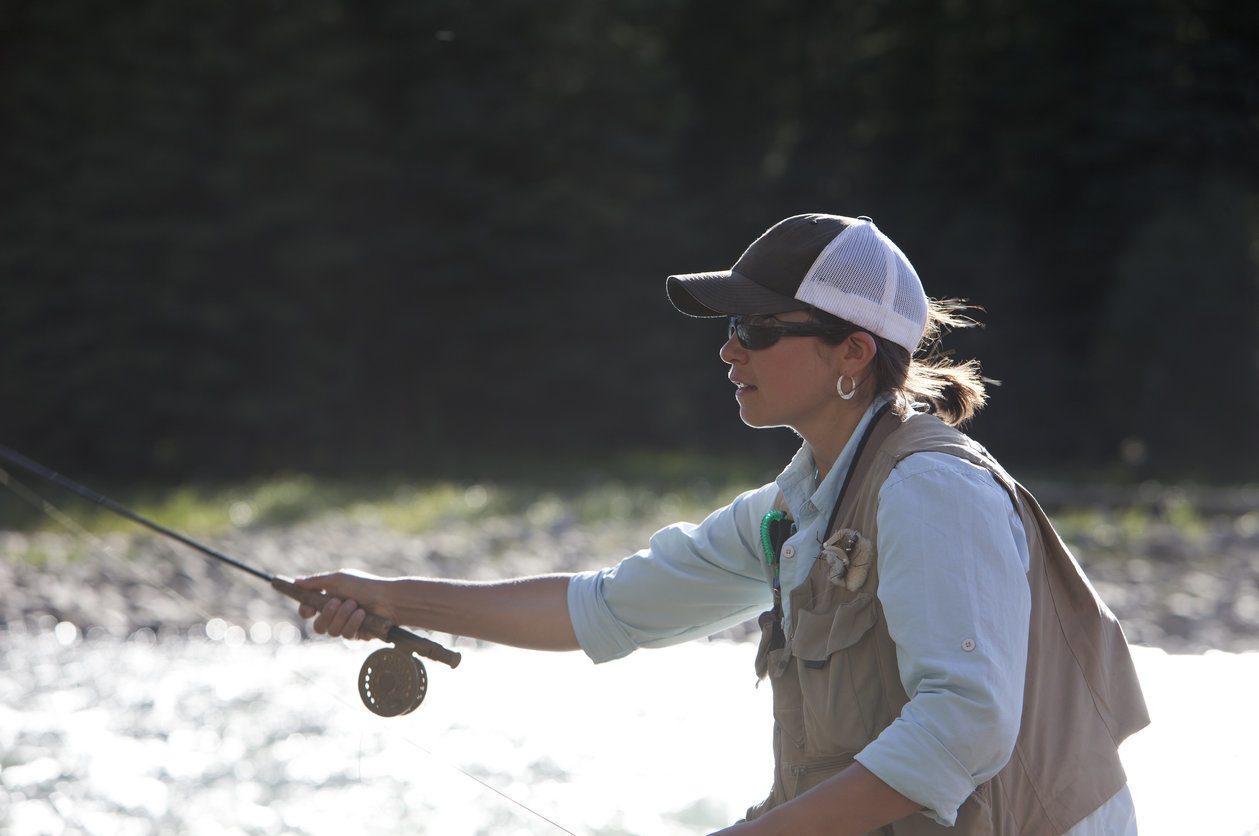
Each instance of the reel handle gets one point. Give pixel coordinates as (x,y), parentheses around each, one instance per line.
(373,625)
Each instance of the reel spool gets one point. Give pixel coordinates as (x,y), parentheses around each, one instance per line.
(392,682)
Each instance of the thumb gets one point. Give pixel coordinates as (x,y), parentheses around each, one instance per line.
(318,583)
(315,581)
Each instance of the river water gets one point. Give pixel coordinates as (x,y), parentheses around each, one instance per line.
(256,731)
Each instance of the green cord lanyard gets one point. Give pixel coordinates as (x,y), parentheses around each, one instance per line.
(771,531)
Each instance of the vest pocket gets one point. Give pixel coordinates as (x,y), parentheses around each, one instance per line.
(836,670)
(818,635)
(787,713)
(814,771)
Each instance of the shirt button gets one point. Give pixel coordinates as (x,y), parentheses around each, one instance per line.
(789,551)
(968,645)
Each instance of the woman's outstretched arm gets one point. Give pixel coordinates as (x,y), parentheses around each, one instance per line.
(522,612)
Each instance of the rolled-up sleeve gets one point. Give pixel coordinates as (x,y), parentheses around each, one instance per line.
(691,581)
(952,561)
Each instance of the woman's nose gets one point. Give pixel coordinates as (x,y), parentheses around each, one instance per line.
(731,352)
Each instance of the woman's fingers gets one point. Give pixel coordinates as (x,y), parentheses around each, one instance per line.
(341,617)
(337,618)
(355,624)
(324,617)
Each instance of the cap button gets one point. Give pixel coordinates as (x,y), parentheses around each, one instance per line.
(865,218)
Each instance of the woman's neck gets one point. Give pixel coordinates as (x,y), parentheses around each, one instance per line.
(829,440)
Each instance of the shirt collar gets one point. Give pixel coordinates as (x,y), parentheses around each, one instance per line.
(796,480)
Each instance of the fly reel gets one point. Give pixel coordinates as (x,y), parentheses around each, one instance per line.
(392,682)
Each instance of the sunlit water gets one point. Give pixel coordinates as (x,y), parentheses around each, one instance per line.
(250,733)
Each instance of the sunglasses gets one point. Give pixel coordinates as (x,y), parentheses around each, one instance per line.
(757,335)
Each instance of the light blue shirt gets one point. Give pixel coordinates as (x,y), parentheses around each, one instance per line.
(952,563)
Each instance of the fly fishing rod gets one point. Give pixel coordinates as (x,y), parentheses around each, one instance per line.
(392,681)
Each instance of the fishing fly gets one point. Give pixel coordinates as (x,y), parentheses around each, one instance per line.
(392,681)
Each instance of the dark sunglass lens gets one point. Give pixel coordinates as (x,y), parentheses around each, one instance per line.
(753,337)
(761,336)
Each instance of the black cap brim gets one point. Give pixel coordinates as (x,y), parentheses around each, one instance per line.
(725,293)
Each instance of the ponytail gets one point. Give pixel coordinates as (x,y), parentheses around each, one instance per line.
(952,391)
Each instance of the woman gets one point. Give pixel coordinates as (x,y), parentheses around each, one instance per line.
(937,658)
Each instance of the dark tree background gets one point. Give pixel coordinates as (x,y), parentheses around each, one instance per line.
(240,237)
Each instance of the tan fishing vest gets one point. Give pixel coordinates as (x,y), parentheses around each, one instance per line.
(836,684)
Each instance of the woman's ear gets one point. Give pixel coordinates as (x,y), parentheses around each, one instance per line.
(859,351)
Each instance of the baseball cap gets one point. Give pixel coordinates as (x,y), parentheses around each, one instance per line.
(844,266)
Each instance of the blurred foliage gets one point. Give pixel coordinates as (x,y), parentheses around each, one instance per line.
(659,488)
(335,237)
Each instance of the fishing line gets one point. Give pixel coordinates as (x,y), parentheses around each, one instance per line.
(438,758)
(98,543)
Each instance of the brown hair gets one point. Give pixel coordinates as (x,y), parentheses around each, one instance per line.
(952,391)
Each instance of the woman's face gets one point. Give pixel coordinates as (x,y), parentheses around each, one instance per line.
(789,384)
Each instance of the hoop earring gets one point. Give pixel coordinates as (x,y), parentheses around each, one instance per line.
(839,387)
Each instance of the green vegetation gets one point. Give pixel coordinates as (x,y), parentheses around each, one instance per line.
(419,509)
(1121,531)
(634,487)
(189,509)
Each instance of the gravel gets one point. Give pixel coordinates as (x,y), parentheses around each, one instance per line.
(1182,589)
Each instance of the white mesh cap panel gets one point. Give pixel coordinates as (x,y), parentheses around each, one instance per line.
(863,277)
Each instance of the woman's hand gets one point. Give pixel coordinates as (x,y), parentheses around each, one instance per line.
(352,595)
(851,802)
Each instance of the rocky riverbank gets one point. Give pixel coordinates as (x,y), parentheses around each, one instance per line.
(1184,586)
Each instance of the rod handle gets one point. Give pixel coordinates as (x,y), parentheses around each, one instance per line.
(373,625)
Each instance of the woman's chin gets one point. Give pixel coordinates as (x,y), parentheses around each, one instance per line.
(755,421)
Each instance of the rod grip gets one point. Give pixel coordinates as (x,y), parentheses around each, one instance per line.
(373,625)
